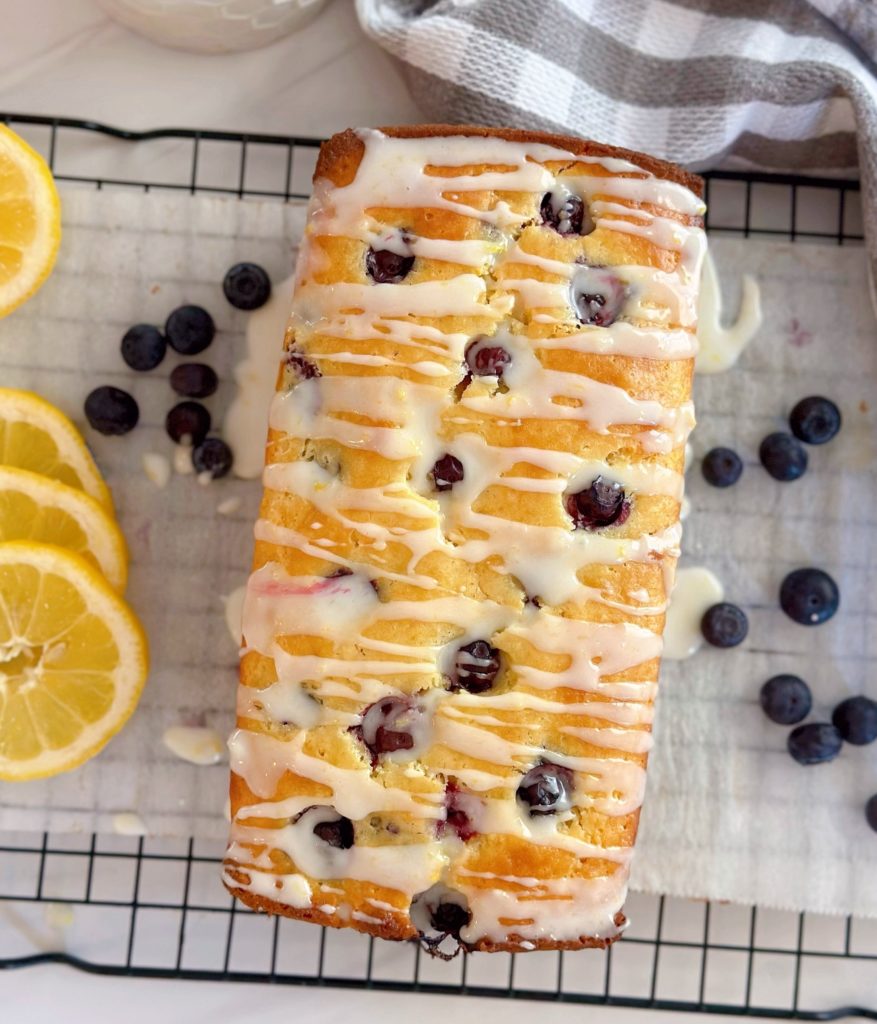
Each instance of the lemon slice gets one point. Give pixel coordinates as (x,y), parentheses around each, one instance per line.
(73,660)
(34,507)
(30,220)
(36,436)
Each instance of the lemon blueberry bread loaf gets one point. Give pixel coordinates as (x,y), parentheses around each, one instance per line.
(469,529)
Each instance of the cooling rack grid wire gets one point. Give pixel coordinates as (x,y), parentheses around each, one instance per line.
(156,908)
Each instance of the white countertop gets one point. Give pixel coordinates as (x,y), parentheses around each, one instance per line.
(71,60)
(141,1001)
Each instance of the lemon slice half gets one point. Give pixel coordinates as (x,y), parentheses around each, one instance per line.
(30,220)
(36,436)
(73,660)
(37,508)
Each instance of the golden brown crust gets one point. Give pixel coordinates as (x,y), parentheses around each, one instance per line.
(391,930)
(387,929)
(340,155)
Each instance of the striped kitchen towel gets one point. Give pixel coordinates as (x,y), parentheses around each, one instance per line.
(781,85)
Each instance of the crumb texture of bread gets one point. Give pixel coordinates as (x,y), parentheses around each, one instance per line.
(467,539)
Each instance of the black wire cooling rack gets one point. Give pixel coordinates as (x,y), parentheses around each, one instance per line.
(156,908)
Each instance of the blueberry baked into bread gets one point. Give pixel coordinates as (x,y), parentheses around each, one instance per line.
(469,529)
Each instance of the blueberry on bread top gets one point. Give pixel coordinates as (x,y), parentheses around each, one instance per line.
(603,503)
(476,666)
(546,788)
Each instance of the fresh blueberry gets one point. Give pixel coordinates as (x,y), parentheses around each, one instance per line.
(815,420)
(387,267)
(783,457)
(856,720)
(809,596)
(546,788)
(602,504)
(786,699)
(338,833)
(724,625)
(189,330)
(722,467)
(814,743)
(111,411)
(475,667)
(143,347)
(247,286)
(212,456)
(194,380)
(447,471)
(388,723)
(187,423)
(871,812)
(487,360)
(564,213)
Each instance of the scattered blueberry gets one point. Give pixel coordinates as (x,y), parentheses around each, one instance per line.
(194,380)
(338,833)
(476,666)
(212,456)
(187,420)
(809,596)
(871,812)
(783,457)
(546,788)
(387,267)
(564,213)
(815,420)
(447,471)
(856,720)
(722,467)
(487,360)
(247,286)
(111,411)
(814,743)
(189,330)
(143,347)
(602,504)
(387,724)
(724,625)
(786,699)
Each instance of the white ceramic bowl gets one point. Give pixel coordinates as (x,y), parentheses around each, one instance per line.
(213,26)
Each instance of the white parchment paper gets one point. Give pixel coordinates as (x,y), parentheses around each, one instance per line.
(128,258)
(728,814)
